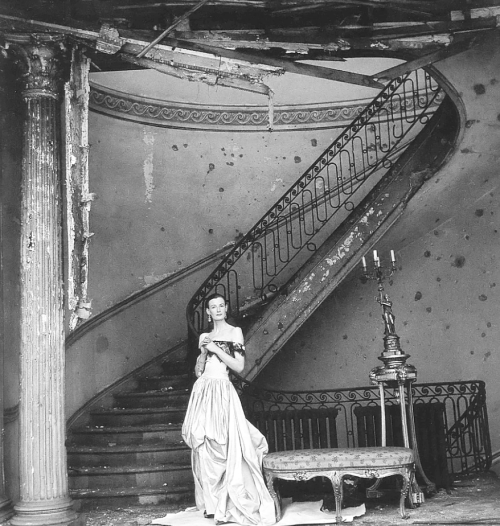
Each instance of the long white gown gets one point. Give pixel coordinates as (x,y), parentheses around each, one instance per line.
(226,449)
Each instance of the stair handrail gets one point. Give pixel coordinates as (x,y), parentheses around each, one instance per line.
(414,96)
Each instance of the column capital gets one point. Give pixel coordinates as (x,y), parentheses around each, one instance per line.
(41,60)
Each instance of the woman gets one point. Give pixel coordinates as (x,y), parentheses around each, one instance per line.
(227,450)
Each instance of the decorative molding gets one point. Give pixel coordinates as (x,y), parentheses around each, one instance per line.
(192,116)
(221,117)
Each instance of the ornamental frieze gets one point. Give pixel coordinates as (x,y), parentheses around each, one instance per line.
(230,117)
(222,117)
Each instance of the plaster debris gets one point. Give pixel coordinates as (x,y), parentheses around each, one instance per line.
(364,219)
(343,249)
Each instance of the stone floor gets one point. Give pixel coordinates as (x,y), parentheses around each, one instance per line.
(473,500)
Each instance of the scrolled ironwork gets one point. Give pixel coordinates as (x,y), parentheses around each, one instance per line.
(460,406)
(266,258)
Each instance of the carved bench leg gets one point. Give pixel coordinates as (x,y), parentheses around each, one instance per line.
(275,494)
(407,476)
(336,478)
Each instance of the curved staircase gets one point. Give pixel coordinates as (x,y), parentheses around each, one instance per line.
(275,276)
(133,452)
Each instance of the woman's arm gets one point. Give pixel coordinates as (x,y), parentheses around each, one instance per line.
(202,358)
(236,363)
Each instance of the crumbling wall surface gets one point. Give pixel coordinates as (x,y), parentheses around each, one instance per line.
(446,292)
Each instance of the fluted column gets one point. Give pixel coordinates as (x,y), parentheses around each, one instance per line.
(43,466)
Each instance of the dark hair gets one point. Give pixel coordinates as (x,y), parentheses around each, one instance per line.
(212,297)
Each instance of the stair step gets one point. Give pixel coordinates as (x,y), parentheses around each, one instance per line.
(156,383)
(137,416)
(133,476)
(88,499)
(127,454)
(175,368)
(154,398)
(104,435)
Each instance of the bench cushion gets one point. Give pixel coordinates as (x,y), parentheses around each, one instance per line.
(361,457)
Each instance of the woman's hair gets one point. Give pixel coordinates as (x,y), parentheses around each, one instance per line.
(212,297)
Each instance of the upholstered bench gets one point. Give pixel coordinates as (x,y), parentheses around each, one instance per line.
(364,462)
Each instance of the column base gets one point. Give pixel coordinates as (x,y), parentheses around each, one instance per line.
(57,512)
(6,509)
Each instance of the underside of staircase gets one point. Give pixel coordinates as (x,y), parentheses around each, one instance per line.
(132,452)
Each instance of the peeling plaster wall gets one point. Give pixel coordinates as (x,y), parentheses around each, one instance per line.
(446,293)
(166,198)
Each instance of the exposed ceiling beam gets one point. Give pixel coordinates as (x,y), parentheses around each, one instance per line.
(198,55)
(292,67)
(426,60)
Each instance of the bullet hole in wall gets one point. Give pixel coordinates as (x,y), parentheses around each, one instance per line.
(418,296)
(428,309)
(221,189)
(314,142)
(482,297)
(427,253)
(175,148)
(210,230)
(479,89)
(459,262)
(479,212)
(297,159)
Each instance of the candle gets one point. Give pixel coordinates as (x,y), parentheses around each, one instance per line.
(363,261)
(375,256)
(393,257)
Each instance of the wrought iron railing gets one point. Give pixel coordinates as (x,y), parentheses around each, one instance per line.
(461,406)
(266,258)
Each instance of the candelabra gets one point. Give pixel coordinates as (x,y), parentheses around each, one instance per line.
(395,372)
(393,357)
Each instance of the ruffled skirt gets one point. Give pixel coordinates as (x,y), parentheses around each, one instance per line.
(227,453)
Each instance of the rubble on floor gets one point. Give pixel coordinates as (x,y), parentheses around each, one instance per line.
(471,500)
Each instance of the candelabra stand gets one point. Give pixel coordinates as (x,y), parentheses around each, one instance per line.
(395,372)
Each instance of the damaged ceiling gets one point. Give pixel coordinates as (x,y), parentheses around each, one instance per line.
(238,42)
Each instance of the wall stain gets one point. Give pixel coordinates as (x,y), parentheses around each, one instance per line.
(479,212)
(483,297)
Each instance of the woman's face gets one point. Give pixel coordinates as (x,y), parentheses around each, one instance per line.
(217,308)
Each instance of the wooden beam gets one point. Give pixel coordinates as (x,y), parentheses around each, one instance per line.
(292,67)
(426,60)
(211,78)
(160,37)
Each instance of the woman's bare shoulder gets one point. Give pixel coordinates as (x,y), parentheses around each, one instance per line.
(237,335)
